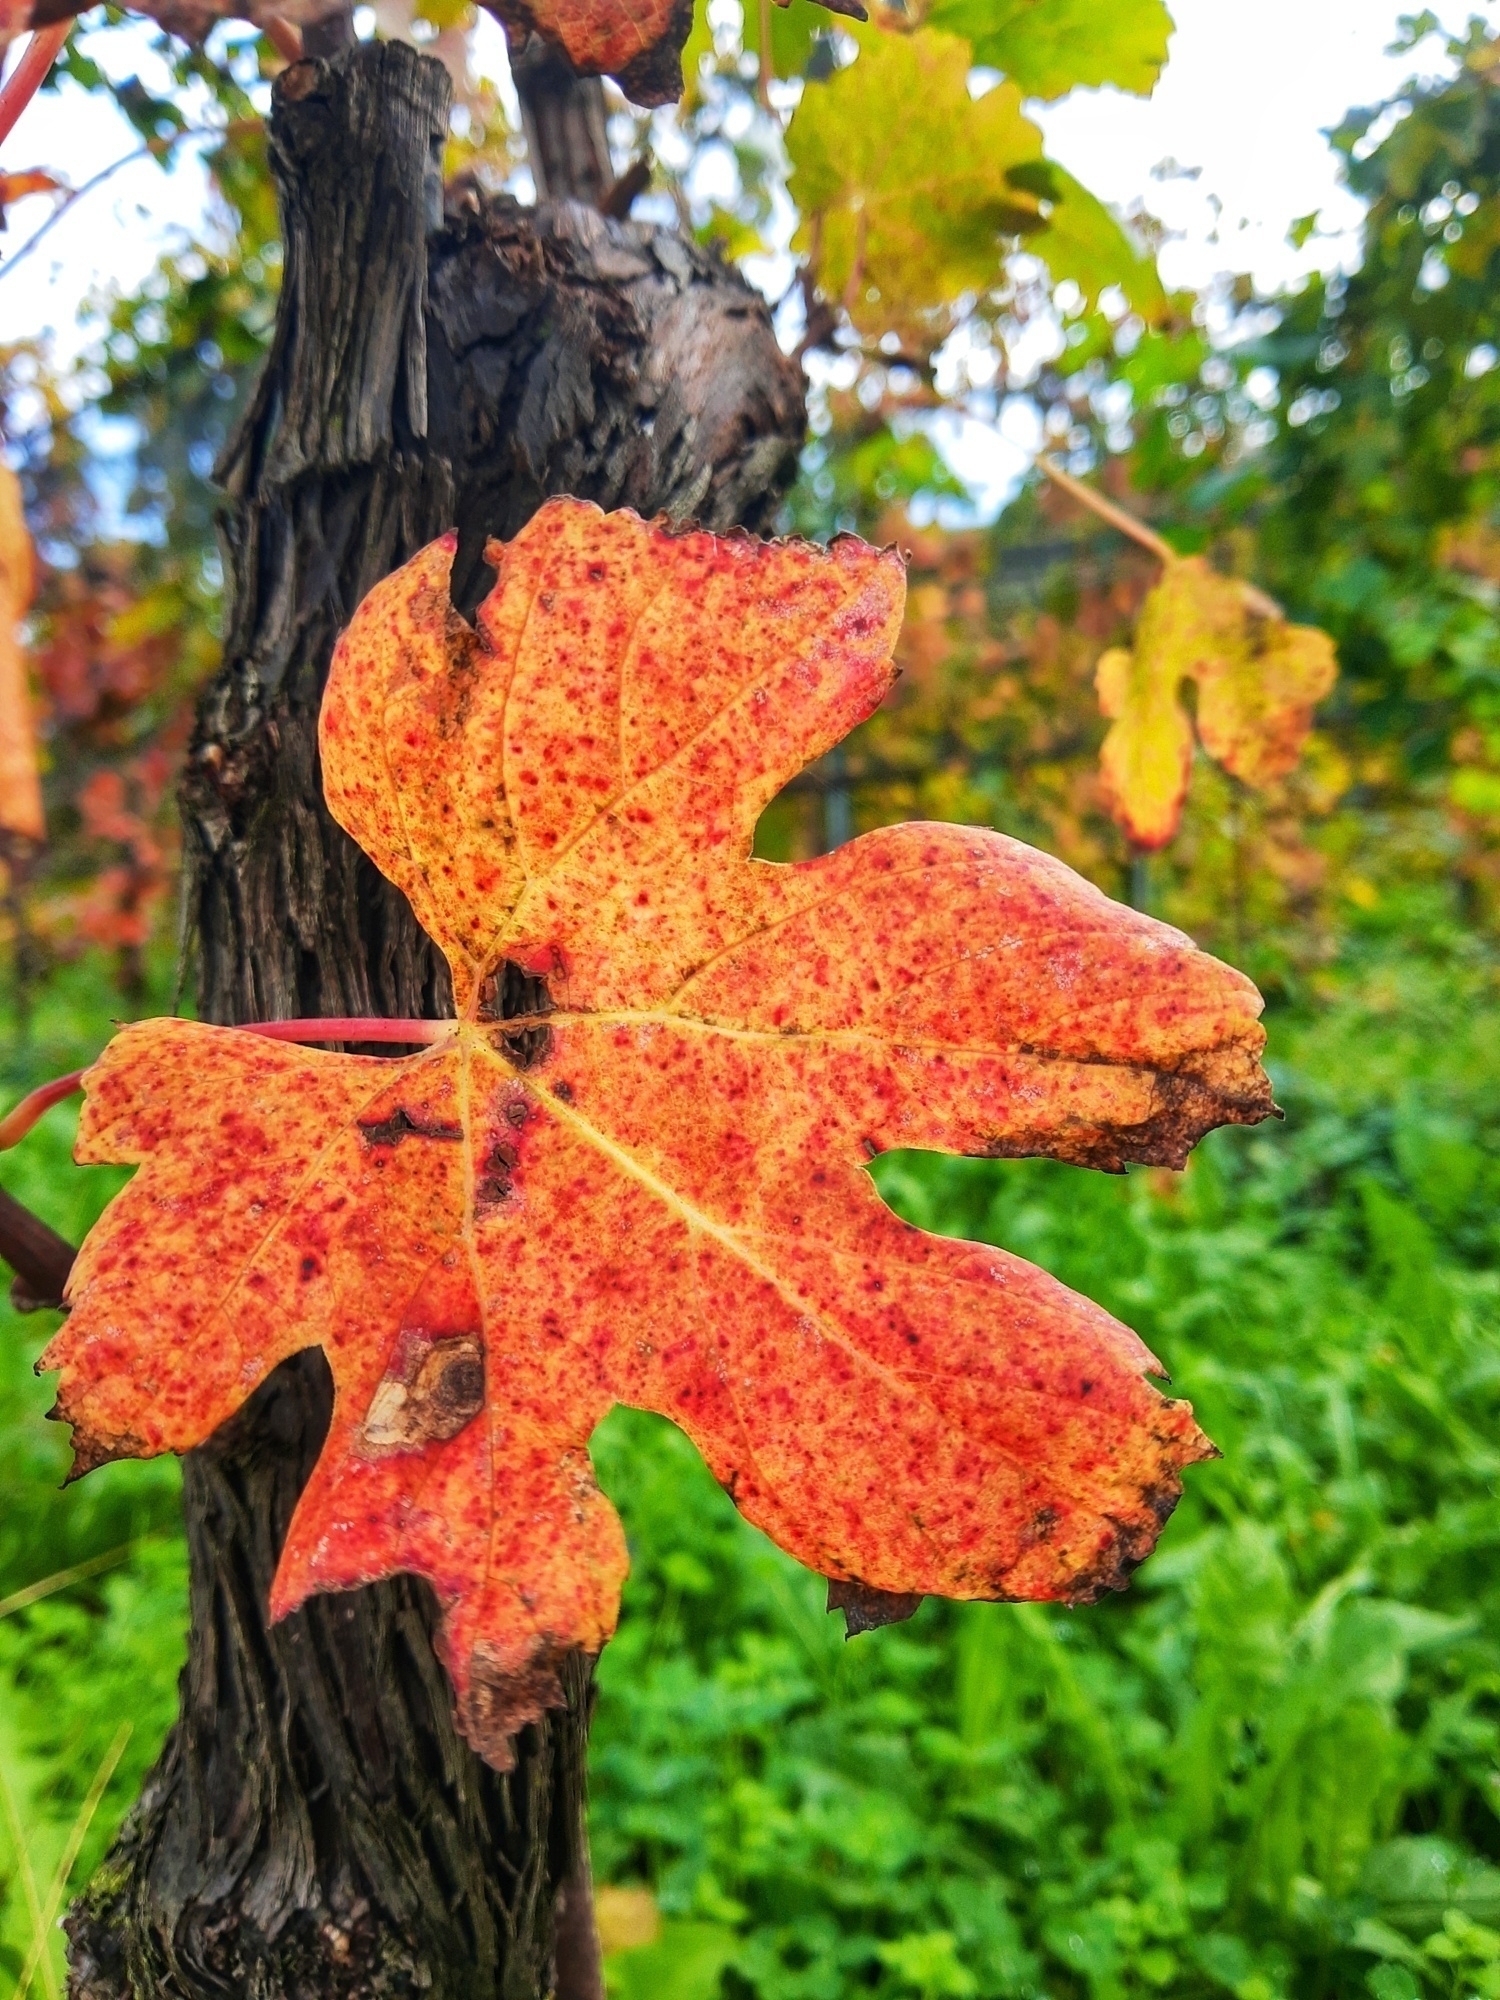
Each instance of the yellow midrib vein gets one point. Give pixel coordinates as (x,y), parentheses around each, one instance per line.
(694,1219)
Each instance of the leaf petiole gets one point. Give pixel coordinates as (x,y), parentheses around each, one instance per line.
(341,1028)
(30,72)
(18,1122)
(1130,524)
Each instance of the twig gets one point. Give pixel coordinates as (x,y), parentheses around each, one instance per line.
(351,1028)
(857,268)
(152,146)
(29,74)
(63,1579)
(767,68)
(18,1122)
(40,1258)
(1107,510)
(635,180)
(1128,524)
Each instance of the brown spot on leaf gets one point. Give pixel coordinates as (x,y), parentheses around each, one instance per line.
(435,1389)
(402,1125)
(510,993)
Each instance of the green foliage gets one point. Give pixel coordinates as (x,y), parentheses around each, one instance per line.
(1049,47)
(1344,446)
(1272,1769)
(912,190)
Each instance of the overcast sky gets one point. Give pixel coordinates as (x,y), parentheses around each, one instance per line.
(1246,94)
(1248,87)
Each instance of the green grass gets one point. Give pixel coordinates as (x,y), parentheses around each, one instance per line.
(1272,1768)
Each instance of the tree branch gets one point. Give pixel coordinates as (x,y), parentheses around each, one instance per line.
(563,117)
(40,1258)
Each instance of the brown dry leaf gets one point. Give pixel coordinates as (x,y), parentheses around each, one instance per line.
(1258,681)
(20,777)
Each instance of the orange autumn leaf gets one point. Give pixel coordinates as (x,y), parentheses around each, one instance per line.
(20,778)
(1258,681)
(633,1170)
(19,183)
(638,42)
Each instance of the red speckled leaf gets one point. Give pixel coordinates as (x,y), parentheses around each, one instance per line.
(638,42)
(646,1184)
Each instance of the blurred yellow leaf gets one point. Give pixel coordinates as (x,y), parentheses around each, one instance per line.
(1258,681)
(735,238)
(901,179)
(626,1919)
(912,191)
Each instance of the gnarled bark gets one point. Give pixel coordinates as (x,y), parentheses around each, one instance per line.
(315,1826)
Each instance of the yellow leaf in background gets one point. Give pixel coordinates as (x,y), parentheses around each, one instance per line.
(912,191)
(901,179)
(1258,681)
(1147,756)
(20,780)
(1255,703)
(734,238)
(626,1919)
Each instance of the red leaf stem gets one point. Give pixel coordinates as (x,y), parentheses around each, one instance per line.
(26,79)
(19,1122)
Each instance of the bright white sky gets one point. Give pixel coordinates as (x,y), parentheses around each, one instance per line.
(1245,96)
(1248,88)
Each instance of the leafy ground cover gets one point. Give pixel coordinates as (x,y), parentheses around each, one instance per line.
(1272,1768)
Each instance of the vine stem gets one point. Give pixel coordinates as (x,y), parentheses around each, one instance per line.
(1128,524)
(336,1028)
(29,74)
(153,149)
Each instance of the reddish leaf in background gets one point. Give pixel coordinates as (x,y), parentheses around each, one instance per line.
(20,775)
(92,663)
(633,1170)
(638,42)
